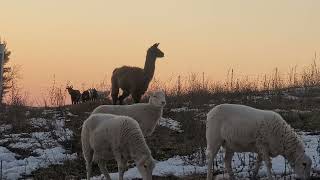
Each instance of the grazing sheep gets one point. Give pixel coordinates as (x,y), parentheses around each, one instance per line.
(75,95)
(106,136)
(240,128)
(147,114)
(134,80)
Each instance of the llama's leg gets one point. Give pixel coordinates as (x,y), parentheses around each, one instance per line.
(136,97)
(114,95)
(228,159)
(123,96)
(103,168)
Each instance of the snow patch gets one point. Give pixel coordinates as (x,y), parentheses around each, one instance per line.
(171,124)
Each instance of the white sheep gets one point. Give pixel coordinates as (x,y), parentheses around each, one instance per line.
(106,136)
(240,128)
(147,114)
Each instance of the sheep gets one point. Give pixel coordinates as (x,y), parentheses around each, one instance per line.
(106,136)
(147,114)
(102,95)
(75,95)
(240,128)
(85,96)
(134,80)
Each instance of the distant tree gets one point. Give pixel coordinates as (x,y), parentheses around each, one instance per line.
(8,74)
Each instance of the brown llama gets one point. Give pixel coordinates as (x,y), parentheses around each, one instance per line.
(134,80)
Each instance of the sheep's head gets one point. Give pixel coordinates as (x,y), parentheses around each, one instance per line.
(145,167)
(155,51)
(157,98)
(69,88)
(302,167)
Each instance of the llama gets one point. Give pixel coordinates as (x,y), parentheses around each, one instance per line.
(75,95)
(134,80)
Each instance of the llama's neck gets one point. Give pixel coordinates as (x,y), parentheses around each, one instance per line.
(149,67)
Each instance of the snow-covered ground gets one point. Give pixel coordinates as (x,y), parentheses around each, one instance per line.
(183,166)
(44,146)
(171,124)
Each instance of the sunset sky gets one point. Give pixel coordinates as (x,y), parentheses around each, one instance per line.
(83,41)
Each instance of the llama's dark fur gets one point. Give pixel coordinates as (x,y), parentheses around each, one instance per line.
(75,95)
(134,80)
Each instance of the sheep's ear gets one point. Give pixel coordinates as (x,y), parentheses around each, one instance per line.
(155,45)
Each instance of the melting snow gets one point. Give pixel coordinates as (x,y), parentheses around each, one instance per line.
(44,147)
(171,124)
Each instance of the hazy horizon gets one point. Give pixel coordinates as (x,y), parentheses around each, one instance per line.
(82,42)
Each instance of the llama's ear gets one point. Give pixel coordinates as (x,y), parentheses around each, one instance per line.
(155,45)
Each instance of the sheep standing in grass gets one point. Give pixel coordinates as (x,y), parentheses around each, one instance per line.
(106,136)
(147,114)
(240,128)
(134,80)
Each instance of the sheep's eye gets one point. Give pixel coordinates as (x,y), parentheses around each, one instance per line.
(145,166)
(304,164)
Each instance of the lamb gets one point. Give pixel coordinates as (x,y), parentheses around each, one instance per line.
(134,80)
(106,136)
(240,128)
(147,114)
(75,95)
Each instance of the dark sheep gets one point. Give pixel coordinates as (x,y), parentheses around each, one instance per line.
(85,96)
(75,95)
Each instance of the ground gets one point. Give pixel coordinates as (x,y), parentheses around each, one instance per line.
(44,143)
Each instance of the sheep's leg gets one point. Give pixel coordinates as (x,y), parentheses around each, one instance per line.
(103,168)
(265,156)
(123,96)
(88,155)
(211,153)
(228,159)
(121,168)
(257,167)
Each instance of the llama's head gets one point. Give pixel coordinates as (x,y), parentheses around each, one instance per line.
(157,98)
(155,51)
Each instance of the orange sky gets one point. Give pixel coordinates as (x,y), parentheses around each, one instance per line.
(83,41)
